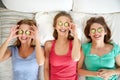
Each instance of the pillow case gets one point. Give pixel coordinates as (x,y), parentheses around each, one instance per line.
(96,6)
(45,25)
(38,5)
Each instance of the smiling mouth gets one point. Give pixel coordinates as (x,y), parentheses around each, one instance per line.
(24,38)
(62,30)
(96,36)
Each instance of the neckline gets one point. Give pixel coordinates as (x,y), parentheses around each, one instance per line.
(66,54)
(103,54)
(22,57)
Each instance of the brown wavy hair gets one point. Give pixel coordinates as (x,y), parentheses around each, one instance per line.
(99,20)
(28,22)
(62,13)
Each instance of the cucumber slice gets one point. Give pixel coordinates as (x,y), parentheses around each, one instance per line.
(93,31)
(27,32)
(60,23)
(99,30)
(66,24)
(20,32)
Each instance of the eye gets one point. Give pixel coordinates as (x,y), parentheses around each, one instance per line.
(99,30)
(93,31)
(20,32)
(27,32)
(60,23)
(66,24)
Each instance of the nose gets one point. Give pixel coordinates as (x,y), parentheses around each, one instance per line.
(96,32)
(24,34)
(62,27)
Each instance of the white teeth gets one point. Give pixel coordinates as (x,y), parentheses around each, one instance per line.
(24,38)
(62,30)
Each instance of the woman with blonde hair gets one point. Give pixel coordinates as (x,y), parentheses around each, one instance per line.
(24,51)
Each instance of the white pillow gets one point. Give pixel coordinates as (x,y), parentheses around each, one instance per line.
(45,26)
(38,5)
(96,6)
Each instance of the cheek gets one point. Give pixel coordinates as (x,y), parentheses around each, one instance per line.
(67,28)
(90,34)
(104,33)
(56,27)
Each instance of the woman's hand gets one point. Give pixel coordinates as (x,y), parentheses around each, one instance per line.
(34,33)
(13,33)
(72,29)
(105,73)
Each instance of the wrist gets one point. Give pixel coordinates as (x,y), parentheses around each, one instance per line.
(8,39)
(93,74)
(96,74)
(114,72)
(75,36)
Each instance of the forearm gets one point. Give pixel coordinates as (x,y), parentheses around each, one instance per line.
(76,48)
(116,71)
(83,72)
(39,53)
(3,48)
(46,74)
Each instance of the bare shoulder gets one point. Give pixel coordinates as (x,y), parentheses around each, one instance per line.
(109,46)
(48,45)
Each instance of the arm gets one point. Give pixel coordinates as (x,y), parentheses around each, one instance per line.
(117,71)
(4,52)
(39,49)
(76,49)
(46,65)
(82,71)
(39,53)
(76,43)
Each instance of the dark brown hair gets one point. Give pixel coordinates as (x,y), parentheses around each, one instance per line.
(28,22)
(99,20)
(62,13)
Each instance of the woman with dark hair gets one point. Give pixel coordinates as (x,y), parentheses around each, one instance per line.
(62,54)
(100,54)
(24,51)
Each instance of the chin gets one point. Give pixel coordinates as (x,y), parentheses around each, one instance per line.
(24,41)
